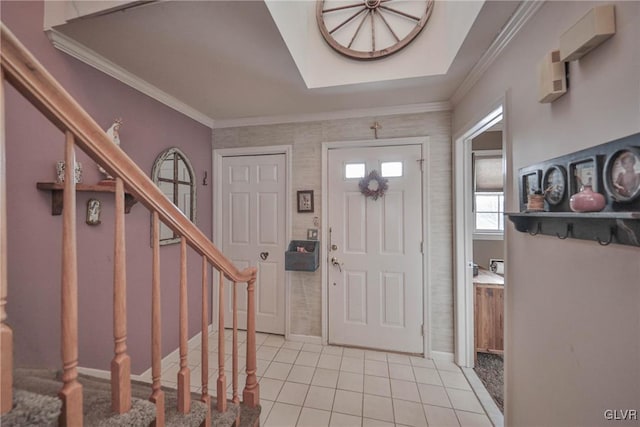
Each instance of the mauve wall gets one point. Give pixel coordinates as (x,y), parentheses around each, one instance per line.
(572,326)
(33,147)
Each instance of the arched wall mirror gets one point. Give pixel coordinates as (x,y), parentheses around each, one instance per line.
(173,174)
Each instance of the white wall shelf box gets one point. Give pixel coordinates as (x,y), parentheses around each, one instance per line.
(552,83)
(588,33)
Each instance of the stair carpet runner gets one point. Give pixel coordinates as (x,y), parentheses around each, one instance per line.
(36,404)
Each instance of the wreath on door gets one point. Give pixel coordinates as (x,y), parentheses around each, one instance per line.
(373,185)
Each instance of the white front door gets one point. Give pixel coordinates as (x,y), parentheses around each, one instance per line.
(375,283)
(253,227)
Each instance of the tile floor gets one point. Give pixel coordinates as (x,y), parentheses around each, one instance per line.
(313,385)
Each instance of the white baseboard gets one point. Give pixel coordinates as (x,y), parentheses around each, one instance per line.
(196,338)
(305,338)
(442,355)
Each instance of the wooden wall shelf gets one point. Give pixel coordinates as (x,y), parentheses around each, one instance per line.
(56,194)
(603,227)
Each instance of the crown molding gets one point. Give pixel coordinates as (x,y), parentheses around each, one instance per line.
(517,21)
(333,115)
(90,57)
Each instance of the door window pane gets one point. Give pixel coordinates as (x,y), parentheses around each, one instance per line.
(391,169)
(354,170)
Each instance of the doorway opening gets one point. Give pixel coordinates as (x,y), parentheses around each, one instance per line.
(480,254)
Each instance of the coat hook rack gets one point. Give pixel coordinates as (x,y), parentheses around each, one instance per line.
(568,233)
(612,233)
(538,229)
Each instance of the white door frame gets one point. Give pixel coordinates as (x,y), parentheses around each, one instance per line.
(463,228)
(424,142)
(218,155)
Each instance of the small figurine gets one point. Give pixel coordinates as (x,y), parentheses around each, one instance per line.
(114,136)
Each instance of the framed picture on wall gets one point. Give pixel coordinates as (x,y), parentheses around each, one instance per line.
(305,201)
(530,183)
(622,175)
(554,184)
(584,172)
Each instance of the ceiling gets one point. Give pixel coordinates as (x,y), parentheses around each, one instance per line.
(227,59)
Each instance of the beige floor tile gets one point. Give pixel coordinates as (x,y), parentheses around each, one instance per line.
(441,417)
(464,400)
(377,407)
(399,359)
(445,365)
(269,388)
(348,402)
(434,395)
(293,393)
(454,380)
(274,341)
(368,422)
(293,345)
(343,420)
(333,350)
(325,378)
(310,417)
(378,386)
(351,364)
(301,374)
(283,414)
(356,353)
(376,368)
(401,372)
(421,362)
(266,406)
(266,353)
(351,382)
(409,413)
(307,358)
(468,419)
(375,355)
(278,371)
(320,398)
(314,348)
(427,376)
(404,390)
(286,355)
(329,361)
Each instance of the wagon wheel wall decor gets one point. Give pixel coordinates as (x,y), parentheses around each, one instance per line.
(371,29)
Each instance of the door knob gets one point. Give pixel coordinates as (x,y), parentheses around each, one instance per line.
(264,255)
(336,263)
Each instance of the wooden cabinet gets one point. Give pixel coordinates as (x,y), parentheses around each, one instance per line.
(489,312)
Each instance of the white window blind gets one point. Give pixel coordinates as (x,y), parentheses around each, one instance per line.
(488,173)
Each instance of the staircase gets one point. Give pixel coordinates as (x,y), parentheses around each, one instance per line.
(65,398)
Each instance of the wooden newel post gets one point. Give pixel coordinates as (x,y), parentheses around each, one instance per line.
(121,363)
(71,392)
(251,393)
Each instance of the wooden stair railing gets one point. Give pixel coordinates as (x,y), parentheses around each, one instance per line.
(31,79)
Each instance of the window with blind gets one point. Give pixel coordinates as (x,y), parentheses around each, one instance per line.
(488,193)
